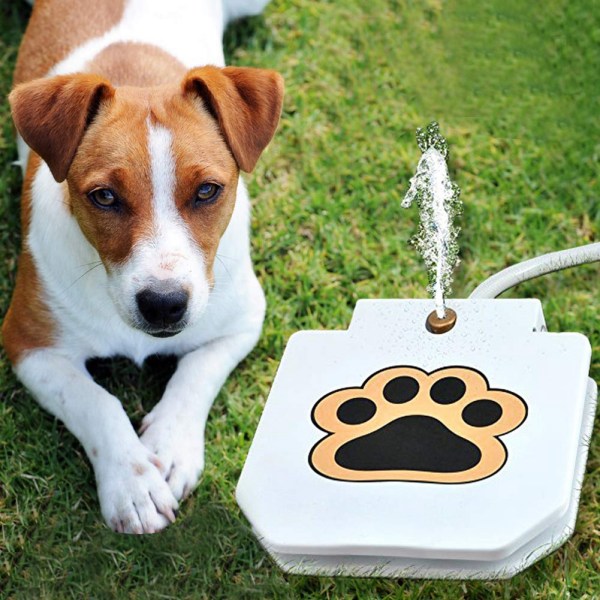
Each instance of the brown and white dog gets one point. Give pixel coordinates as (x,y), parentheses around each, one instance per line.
(136,147)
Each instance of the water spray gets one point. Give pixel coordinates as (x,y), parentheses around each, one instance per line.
(438,200)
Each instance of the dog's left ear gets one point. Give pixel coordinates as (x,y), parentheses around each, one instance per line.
(246,103)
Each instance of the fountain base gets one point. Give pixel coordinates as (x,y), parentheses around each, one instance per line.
(385,450)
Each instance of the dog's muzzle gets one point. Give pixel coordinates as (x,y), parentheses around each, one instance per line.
(163,307)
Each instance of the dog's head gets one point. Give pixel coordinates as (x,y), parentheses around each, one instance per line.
(152,175)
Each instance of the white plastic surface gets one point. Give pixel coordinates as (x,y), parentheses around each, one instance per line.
(491,527)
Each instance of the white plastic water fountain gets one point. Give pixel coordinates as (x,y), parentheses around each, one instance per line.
(426,440)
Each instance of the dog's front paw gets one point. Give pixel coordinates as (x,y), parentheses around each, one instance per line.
(134,496)
(178,441)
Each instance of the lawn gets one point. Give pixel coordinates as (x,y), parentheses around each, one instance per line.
(515,87)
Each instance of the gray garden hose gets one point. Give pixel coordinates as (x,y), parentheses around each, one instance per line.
(540,265)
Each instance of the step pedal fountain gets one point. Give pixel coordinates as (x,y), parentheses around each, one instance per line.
(431,438)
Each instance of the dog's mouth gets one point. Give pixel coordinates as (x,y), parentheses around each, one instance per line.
(158,331)
(162,332)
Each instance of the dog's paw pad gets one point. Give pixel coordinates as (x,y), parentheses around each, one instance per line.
(408,425)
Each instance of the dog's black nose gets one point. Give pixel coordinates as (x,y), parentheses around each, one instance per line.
(162,308)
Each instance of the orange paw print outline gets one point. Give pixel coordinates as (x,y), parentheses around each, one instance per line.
(404,424)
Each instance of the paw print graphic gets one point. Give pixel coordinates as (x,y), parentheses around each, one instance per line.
(405,424)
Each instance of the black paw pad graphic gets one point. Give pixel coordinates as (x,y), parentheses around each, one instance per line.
(408,425)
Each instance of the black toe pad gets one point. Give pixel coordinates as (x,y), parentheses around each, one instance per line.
(412,443)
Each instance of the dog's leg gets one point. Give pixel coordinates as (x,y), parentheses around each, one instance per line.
(133,494)
(174,429)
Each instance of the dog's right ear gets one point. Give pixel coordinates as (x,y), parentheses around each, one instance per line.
(52,115)
(246,102)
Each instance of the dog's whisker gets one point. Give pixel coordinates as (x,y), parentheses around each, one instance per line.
(94,262)
(224,256)
(84,274)
(217,296)
(224,265)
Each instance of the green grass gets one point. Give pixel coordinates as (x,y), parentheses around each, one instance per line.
(514,86)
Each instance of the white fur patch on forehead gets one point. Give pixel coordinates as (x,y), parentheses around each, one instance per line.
(162,168)
(166,251)
(169,250)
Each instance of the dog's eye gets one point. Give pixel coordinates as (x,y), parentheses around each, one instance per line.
(104,198)
(207,193)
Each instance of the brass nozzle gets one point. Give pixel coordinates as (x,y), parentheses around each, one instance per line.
(436,325)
